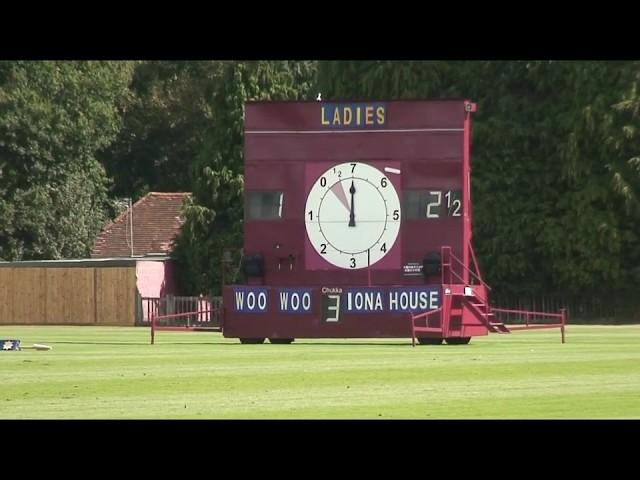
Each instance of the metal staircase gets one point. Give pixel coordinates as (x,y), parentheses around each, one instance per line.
(465,300)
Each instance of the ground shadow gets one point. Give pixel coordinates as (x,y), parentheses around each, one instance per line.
(266,344)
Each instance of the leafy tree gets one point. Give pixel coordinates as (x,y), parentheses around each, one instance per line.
(214,214)
(54,117)
(547,185)
(164,127)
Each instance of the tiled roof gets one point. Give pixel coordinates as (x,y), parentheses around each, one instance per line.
(156,221)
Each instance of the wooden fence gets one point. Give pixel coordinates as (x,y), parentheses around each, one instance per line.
(68,295)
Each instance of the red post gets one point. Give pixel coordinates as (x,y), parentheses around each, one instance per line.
(413,331)
(563,319)
(445,313)
(466,189)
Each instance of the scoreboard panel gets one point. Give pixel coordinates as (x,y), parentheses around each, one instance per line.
(344,204)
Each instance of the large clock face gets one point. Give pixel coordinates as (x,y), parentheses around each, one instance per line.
(353,215)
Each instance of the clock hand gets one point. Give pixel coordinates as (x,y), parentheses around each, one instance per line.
(352,216)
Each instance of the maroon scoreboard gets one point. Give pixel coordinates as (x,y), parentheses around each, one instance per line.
(348,206)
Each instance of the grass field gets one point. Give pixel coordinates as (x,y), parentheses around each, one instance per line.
(100,372)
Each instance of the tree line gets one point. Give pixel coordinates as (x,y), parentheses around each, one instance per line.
(555,156)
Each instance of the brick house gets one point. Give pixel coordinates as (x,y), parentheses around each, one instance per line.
(146,232)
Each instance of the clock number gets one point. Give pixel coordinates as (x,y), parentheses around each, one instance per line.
(455,204)
(310,214)
(353,167)
(396,214)
(323,182)
(353,262)
(323,248)
(383,248)
(339,172)
(383,182)
(430,205)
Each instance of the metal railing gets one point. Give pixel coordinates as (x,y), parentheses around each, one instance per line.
(529,320)
(180,310)
(448,271)
(416,328)
(614,308)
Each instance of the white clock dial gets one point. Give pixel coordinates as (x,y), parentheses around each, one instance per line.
(352,215)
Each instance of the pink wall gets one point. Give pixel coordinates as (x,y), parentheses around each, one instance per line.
(153,278)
